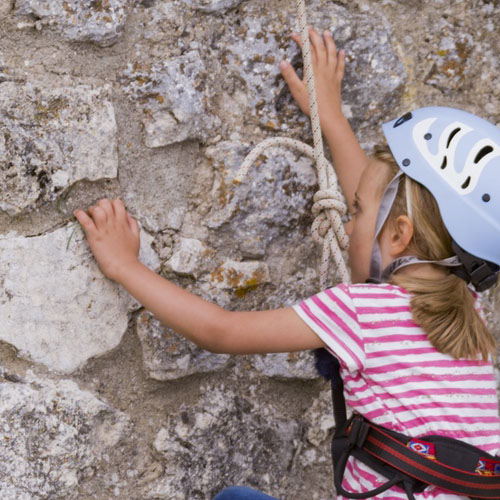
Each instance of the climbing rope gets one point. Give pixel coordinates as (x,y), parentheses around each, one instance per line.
(329,207)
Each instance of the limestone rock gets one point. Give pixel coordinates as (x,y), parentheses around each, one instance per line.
(212,6)
(252,50)
(172,98)
(159,192)
(5,7)
(450,58)
(286,365)
(273,201)
(190,257)
(240,276)
(168,356)
(224,439)
(52,432)
(57,308)
(51,138)
(100,21)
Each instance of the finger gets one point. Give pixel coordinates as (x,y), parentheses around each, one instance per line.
(318,50)
(98,214)
(105,204)
(339,72)
(331,49)
(85,221)
(119,210)
(295,84)
(134,226)
(296,38)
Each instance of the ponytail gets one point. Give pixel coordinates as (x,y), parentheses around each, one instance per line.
(444,308)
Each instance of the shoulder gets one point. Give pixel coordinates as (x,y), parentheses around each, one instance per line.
(382,291)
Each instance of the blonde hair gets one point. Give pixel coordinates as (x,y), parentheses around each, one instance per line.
(444,308)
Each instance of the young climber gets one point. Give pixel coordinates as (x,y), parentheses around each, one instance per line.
(415,355)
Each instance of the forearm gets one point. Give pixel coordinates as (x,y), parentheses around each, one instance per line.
(187,314)
(349,159)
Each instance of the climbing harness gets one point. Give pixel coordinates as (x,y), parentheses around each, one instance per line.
(329,206)
(412,464)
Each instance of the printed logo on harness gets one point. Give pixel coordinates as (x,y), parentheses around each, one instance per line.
(423,448)
(488,467)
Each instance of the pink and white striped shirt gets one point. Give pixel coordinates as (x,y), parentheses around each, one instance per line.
(396,378)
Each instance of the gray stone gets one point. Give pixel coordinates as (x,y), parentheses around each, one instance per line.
(5,7)
(286,365)
(223,439)
(252,50)
(273,202)
(240,276)
(168,356)
(57,308)
(159,191)
(51,138)
(450,59)
(171,96)
(51,433)
(190,257)
(99,21)
(212,6)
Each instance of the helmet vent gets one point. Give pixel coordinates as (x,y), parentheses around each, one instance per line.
(445,162)
(453,134)
(465,185)
(482,153)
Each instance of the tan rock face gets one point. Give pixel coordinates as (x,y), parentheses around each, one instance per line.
(158,102)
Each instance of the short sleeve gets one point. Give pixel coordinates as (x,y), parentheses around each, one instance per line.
(332,316)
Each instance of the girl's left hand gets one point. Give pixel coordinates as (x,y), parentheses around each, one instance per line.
(113,235)
(328,68)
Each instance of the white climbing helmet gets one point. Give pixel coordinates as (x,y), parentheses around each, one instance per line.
(456,156)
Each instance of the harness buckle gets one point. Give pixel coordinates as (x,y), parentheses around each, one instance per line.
(358,431)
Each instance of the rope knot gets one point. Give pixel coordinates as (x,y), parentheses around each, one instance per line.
(328,209)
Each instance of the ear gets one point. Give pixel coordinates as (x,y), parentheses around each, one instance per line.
(400,235)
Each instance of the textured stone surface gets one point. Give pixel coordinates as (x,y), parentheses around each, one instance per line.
(251,53)
(274,197)
(171,97)
(210,66)
(287,365)
(5,7)
(189,257)
(51,138)
(239,438)
(167,356)
(52,434)
(99,21)
(212,6)
(56,306)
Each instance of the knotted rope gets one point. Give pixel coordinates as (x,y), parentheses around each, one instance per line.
(329,207)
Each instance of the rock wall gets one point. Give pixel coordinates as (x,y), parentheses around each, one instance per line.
(157,102)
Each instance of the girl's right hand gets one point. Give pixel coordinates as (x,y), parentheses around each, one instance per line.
(328,68)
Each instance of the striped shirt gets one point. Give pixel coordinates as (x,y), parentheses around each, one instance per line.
(396,378)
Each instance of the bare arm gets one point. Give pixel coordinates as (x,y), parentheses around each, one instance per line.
(113,237)
(328,67)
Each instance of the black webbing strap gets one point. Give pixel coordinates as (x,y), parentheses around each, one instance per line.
(382,445)
(387,452)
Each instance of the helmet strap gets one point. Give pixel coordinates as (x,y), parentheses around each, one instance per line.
(383,212)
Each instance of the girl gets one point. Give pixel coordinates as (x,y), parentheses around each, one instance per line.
(415,355)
